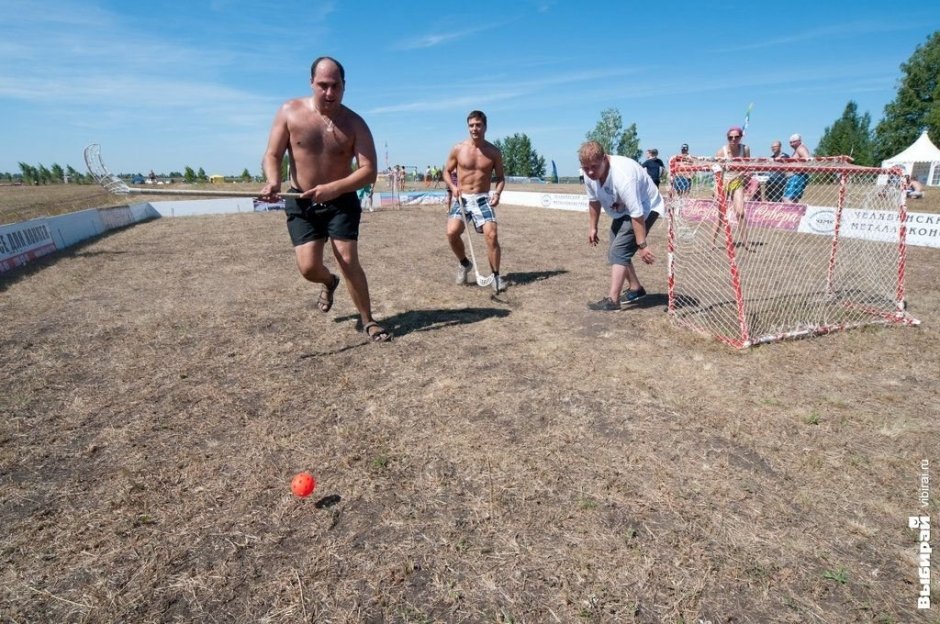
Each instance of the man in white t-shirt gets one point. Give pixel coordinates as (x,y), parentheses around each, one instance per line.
(628,195)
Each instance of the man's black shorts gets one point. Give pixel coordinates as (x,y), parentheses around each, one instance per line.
(338,218)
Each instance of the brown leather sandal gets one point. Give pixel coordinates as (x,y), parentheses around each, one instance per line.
(376,332)
(325,300)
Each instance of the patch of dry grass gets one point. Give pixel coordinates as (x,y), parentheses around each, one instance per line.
(522,460)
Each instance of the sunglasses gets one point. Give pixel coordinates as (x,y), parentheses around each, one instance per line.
(734,136)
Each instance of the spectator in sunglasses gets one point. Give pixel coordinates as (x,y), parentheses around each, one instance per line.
(735,184)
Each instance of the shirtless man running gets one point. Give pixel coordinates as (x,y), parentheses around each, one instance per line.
(321,138)
(476,161)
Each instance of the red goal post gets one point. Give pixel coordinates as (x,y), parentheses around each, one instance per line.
(762,250)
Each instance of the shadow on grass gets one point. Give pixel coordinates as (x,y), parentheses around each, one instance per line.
(649,301)
(415,321)
(532,276)
(328,501)
(429,320)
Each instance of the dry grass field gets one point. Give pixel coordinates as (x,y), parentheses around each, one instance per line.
(504,460)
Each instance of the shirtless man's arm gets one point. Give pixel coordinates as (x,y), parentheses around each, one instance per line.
(499,176)
(274,154)
(450,166)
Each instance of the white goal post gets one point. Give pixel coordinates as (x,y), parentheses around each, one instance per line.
(763,250)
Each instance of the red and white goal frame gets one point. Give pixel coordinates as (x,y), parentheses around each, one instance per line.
(803,265)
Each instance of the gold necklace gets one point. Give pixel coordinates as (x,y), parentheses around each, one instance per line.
(329,122)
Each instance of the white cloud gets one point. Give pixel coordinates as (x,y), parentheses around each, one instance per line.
(494,89)
(838,31)
(444,35)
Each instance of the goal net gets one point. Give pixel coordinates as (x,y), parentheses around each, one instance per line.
(763,250)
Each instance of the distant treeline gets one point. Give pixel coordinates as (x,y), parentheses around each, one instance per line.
(28,174)
(56,174)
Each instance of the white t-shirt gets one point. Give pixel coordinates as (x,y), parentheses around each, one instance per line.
(628,190)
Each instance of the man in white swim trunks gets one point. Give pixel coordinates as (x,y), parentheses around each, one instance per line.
(476,162)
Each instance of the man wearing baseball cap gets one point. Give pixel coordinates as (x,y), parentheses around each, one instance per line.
(796,183)
(682,184)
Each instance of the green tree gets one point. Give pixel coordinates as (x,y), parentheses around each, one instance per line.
(246,177)
(519,158)
(74,176)
(201,175)
(58,174)
(629,143)
(189,175)
(28,173)
(850,135)
(44,175)
(609,132)
(536,165)
(916,106)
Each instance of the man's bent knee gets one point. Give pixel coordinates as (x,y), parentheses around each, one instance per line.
(346,251)
(311,271)
(454,228)
(309,258)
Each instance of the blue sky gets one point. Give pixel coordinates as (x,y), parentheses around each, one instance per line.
(163,85)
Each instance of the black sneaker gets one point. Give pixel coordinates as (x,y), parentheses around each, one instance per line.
(604,305)
(632,296)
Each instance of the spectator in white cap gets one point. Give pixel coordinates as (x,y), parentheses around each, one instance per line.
(796,183)
(799,150)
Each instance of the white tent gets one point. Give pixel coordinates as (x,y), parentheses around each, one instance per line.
(921,161)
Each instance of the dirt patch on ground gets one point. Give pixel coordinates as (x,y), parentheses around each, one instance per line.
(511,460)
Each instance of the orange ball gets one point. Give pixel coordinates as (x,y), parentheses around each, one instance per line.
(303,484)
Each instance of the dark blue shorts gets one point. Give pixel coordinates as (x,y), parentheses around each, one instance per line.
(681,184)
